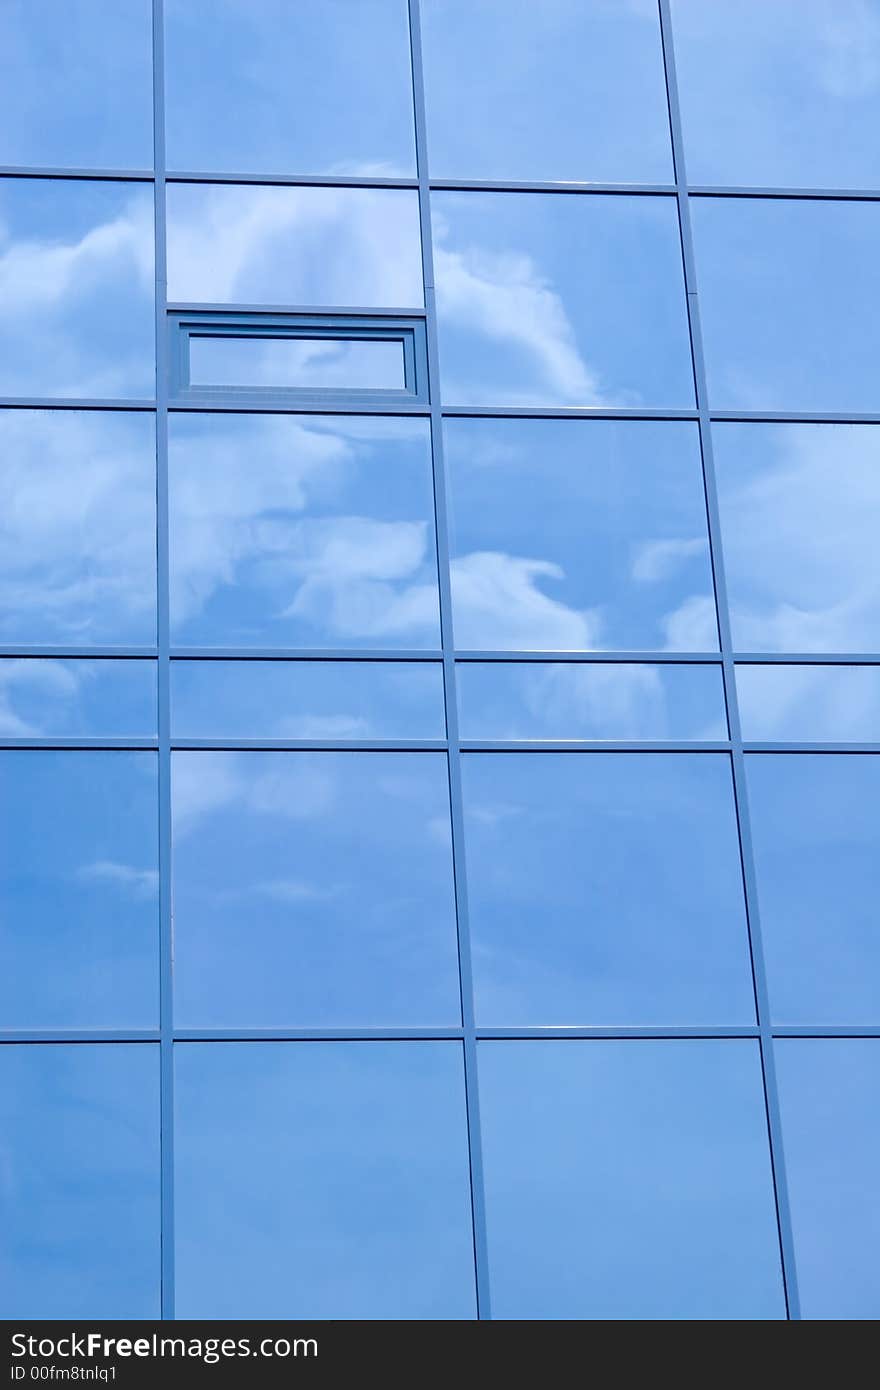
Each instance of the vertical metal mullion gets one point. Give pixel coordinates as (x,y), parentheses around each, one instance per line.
(762,1004)
(166,1047)
(481,1262)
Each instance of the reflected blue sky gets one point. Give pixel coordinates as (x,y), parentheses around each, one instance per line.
(306,699)
(76,83)
(77,527)
(302,532)
(628,1180)
(79,1153)
(547,299)
(784,93)
(79,889)
(315,247)
(804,704)
(314,363)
(362,1204)
(830,1101)
(566,700)
(85,699)
(605,888)
(783,328)
(76,284)
(816,841)
(313,889)
(568,89)
(578,535)
(321,87)
(800,507)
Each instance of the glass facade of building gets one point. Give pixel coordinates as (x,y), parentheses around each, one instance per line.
(439,658)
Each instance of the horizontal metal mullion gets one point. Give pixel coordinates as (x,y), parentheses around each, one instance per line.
(78,1035)
(306,311)
(293,180)
(35,171)
(843,195)
(638,190)
(565,412)
(315,745)
(805,746)
(73,403)
(807,658)
(292,407)
(794,417)
(593,657)
(316,1034)
(746,1030)
(110,744)
(592,746)
(303,654)
(80,653)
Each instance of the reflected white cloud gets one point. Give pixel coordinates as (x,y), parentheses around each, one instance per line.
(297,788)
(498,604)
(141,883)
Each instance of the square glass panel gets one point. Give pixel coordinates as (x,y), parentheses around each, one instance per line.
(830,1098)
(589,700)
(80,1197)
(628,1180)
(335,1173)
(570,535)
(297,363)
(779,94)
(784,328)
(549,299)
(816,841)
(800,512)
(76,83)
(77,528)
(572,89)
(320,87)
(809,704)
(77,287)
(315,531)
(313,889)
(307,699)
(605,889)
(47,697)
(79,889)
(294,246)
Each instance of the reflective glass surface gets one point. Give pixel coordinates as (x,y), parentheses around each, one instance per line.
(319,364)
(321,87)
(76,83)
(783,329)
(569,89)
(336,1174)
(805,704)
(783,93)
(77,527)
(310,247)
(628,1180)
(567,700)
(550,299)
(79,889)
(85,699)
(605,888)
(578,535)
(79,1202)
(305,532)
(76,288)
(307,699)
(313,889)
(816,842)
(800,511)
(830,1096)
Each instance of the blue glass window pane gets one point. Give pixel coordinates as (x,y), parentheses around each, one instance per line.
(569,700)
(305,532)
(76,83)
(79,889)
(48,697)
(782,329)
(547,299)
(578,535)
(568,90)
(296,247)
(780,93)
(830,1096)
(77,287)
(817,856)
(628,1180)
(307,699)
(77,528)
(807,704)
(317,364)
(335,1174)
(800,511)
(321,87)
(80,1195)
(313,889)
(605,888)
